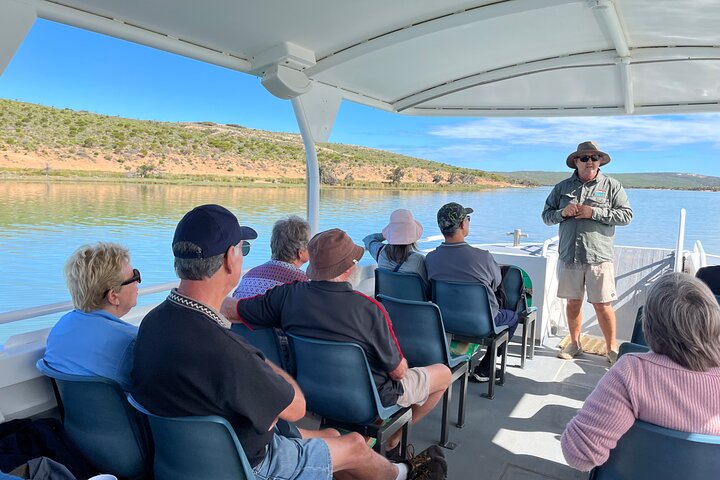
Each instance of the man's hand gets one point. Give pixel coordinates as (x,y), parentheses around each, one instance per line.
(400,371)
(570,211)
(584,211)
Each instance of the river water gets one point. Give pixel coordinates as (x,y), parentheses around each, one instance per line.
(41,224)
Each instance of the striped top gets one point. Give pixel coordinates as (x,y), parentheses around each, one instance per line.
(649,387)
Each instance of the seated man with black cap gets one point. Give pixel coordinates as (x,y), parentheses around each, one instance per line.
(328,308)
(188,362)
(455,260)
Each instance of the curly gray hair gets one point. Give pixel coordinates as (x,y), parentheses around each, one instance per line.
(289,236)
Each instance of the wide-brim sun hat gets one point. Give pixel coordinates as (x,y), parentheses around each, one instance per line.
(587,148)
(332,252)
(403,229)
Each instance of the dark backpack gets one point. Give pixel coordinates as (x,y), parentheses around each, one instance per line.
(23,440)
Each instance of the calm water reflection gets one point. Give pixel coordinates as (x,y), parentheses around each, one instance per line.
(42,224)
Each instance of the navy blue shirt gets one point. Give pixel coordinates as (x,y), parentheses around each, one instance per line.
(187,363)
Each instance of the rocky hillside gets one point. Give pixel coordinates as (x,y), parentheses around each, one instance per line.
(36,139)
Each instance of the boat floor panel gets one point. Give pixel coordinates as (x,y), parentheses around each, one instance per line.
(517,434)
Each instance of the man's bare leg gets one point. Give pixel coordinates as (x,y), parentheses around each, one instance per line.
(574,318)
(353,459)
(606,319)
(439,377)
(324,433)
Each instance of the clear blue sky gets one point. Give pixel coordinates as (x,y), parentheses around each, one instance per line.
(64,67)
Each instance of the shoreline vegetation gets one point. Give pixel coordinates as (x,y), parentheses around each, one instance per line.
(39,143)
(79,176)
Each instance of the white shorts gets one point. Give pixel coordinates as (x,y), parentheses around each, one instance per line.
(598,279)
(415,386)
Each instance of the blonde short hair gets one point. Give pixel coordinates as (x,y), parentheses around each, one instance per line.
(681,319)
(93,270)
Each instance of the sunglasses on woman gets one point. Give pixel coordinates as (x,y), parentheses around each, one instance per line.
(135,278)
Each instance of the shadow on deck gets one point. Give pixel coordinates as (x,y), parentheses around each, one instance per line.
(516,436)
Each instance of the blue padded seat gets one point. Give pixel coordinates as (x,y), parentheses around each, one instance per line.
(189,448)
(467,317)
(408,286)
(419,329)
(658,453)
(98,419)
(266,340)
(516,300)
(339,386)
(629,347)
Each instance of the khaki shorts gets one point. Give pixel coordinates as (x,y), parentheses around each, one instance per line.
(415,386)
(597,278)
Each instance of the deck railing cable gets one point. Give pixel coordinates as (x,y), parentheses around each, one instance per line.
(39,311)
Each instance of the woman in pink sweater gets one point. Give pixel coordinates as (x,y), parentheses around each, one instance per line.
(676,385)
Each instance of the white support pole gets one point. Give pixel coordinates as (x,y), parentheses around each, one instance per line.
(312,187)
(680,246)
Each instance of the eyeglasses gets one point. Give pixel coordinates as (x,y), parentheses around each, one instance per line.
(586,158)
(245,246)
(135,278)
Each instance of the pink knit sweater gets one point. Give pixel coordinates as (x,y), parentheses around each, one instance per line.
(648,387)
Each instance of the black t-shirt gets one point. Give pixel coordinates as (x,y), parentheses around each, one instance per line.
(332,311)
(187,364)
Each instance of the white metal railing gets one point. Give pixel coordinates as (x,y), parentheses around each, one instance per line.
(680,246)
(547,243)
(39,311)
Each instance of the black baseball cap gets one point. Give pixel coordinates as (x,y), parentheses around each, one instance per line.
(213,228)
(452,214)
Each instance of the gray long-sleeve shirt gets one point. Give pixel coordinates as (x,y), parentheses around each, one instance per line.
(588,240)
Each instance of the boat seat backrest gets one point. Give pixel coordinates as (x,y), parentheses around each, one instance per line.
(653,452)
(638,336)
(629,347)
(408,286)
(711,277)
(98,419)
(265,340)
(336,380)
(419,329)
(188,448)
(465,308)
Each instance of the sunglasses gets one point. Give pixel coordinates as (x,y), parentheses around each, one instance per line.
(586,158)
(245,246)
(135,278)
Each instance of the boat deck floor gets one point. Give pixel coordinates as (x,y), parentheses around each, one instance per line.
(516,436)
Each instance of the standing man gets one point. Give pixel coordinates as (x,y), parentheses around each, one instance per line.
(587,206)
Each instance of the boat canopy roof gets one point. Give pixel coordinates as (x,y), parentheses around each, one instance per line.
(450,57)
